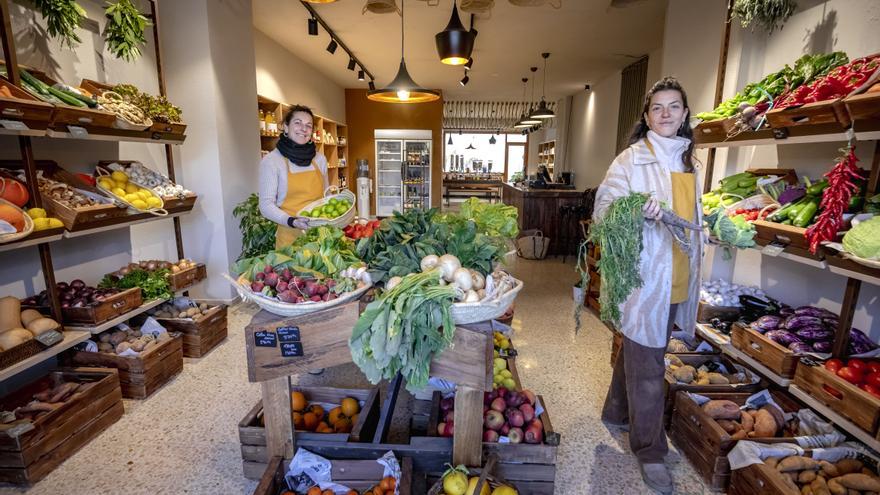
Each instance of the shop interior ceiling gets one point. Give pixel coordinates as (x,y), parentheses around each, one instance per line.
(485,115)
(589,40)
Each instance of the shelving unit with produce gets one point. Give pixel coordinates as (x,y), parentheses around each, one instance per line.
(547,155)
(330,137)
(32,107)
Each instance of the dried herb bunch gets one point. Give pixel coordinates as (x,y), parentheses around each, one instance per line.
(158,108)
(769,14)
(62,18)
(124,31)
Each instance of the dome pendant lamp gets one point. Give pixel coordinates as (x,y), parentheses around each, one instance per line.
(519,123)
(528,120)
(403,89)
(455,43)
(542,112)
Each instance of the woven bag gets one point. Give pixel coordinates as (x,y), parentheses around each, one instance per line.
(381,7)
(477,6)
(532,245)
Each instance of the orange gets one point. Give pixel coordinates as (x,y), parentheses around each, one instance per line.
(298,421)
(314,491)
(297,401)
(354,419)
(342,425)
(327,492)
(310,421)
(318,410)
(387,483)
(351,492)
(334,415)
(350,407)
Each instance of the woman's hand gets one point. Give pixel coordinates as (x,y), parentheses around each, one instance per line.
(301,223)
(652,210)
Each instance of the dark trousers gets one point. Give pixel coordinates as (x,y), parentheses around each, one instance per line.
(636,396)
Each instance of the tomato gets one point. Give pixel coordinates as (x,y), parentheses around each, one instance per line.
(873,367)
(858,364)
(851,375)
(368,231)
(873,379)
(833,365)
(873,390)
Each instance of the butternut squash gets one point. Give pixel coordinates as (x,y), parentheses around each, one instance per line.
(42,325)
(10,313)
(14,337)
(29,315)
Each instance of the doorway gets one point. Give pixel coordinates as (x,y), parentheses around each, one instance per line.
(514,159)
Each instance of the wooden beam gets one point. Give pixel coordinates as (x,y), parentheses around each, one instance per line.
(847,309)
(278,418)
(467,446)
(387,413)
(719,93)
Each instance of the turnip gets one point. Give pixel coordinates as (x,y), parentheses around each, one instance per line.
(448,264)
(429,261)
(461,278)
(471,296)
(478,280)
(392,282)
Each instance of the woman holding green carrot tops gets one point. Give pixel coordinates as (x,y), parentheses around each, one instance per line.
(659,165)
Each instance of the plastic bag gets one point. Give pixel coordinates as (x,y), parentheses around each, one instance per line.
(307,470)
(153,327)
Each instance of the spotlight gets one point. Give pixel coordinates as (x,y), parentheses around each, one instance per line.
(351,64)
(360,75)
(464,80)
(469,64)
(587,87)
(313,27)
(372,86)
(332,46)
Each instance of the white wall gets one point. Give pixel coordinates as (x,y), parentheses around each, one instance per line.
(593,131)
(848,25)
(284,77)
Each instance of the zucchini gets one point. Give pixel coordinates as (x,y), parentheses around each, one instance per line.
(48,98)
(81,97)
(66,98)
(33,81)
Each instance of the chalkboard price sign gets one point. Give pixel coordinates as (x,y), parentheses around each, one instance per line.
(265,339)
(288,334)
(291,349)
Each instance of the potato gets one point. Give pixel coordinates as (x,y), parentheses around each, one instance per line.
(859,481)
(136,333)
(717,379)
(104,337)
(846,466)
(728,425)
(806,490)
(203,307)
(685,374)
(164,336)
(105,347)
(674,360)
(183,314)
(117,337)
(722,409)
(122,347)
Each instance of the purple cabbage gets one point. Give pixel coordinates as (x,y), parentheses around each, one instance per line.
(782,337)
(792,193)
(822,346)
(800,347)
(767,322)
(814,332)
(796,321)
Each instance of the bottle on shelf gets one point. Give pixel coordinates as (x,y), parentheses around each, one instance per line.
(262,117)
(271,125)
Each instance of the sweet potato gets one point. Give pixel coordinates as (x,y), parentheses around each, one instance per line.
(748,421)
(765,424)
(819,486)
(777,414)
(846,466)
(771,462)
(796,463)
(836,488)
(728,426)
(722,409)
(739,435)
(806,476)
(828,470)
(806,490)
(859,481)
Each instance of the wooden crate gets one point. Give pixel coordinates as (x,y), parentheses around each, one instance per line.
(811,114)
(66,115)
(863,107)
(777,232)
(189,277)
(115,305)
(28,455)
(24,108)
(705,444)
(200,337)
(777,358)
(356,474)
(696,360)
(252,432)
(843,397)
(714,131)
(98,88)
(141,375)
(759,479)
(706,312)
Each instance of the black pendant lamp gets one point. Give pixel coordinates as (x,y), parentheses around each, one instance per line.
(492,139)
(542,112)
(455,43)
(529,121)
(519,123)
(403,89)
(449,141)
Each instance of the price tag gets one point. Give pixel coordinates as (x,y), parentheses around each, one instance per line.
(288,334)
(773,249)
(291,349)
(49,338)
(265,339)
(13,125)
(77,131)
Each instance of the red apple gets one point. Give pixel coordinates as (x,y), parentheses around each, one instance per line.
(530,396)
(514,417)
(515,399)
(505,429)
(538,422)
(494,420)
(498,404)
(528,412)
(490,436)
(533,434)
(515,435)
(501,392)
(449,430)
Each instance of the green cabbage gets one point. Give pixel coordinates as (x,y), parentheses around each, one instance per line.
(863,240)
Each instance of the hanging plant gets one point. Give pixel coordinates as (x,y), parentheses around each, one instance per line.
(769,14)
(62,18)
(125,30)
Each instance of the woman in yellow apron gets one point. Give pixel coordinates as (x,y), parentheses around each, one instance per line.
(293,175)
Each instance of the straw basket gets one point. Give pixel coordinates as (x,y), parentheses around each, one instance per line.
(465,313)
(28,225)
(279,308)
(157,211)
(340,221)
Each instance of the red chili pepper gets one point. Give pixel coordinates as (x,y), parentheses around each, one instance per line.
(835,200)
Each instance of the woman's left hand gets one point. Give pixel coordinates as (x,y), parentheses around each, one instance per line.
(301,223)
(652,210)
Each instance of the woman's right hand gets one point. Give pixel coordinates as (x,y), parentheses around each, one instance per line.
(301,223)
(652,210)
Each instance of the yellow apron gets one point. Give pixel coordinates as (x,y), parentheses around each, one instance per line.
(302,189)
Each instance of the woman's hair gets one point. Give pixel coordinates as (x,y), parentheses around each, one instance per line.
(294,109)
(640,130)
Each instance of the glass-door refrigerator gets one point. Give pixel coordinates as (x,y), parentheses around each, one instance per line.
(403,170)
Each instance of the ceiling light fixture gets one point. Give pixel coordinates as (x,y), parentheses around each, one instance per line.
(542,112)
(403,89)
(455,43)
(313,26)
(372,85)
(492,139)
(471,146)
(351,64)
(529,119)
(465,79)
(519,123)
(449,142)
(332,46)
(360,75)
(469,64)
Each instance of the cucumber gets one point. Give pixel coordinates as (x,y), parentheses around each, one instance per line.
(48,98)
(40,86)
(83,98)
(66,98)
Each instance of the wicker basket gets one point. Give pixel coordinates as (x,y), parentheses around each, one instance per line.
(21,352)
(485,475)
(289,309)
(28,225)
(465,313)
(159,212)
(340,221)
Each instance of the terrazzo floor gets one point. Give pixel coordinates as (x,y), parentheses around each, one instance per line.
(184,438)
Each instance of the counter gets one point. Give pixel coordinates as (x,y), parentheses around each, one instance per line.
(540,209)
(484,189)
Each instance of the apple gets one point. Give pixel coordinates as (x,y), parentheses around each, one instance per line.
(515,435)
(447,404)
(538,422)
(528,412)
(505,429)
(515,399)
(515,417)
(530,396)
(494,420)
(533,434)
(490,436)
(498,404)
(449,430)
(501,392)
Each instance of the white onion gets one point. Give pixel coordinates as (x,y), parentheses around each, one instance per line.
(429,261)
(462,278)
(478,280)
(393,281)
(471,296)
(448,264)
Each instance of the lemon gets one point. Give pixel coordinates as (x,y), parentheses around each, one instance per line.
(36,213)
(119,176)
(131,188)
(54,223)
(139,204)
(144,194)
(41,223)
(107,183)
(132,197)
(119,192)
(154,202)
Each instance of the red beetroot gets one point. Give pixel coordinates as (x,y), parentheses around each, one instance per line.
(271,279)
(257,286)
(514,417)
(498,404)
(490,436)
(325,297)
(281,286)
(310,288)
(268,269)
(286,275)
(528,412)
(332,295)
(287,296)
(533,434)
(331,283)
(322,289)
(494,420)
(298,281)
(316,299)
(259,276)
(515,435)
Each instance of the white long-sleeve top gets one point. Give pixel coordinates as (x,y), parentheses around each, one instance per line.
(645,314)
(273,183)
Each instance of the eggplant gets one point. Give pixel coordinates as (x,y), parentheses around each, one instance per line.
(786,311)
(831,322)
(758,305)
(814,333)
(62,286)
(783,337)
(822,346)
(796,321)
(767,322)
(809,311)
(859,348)
(77,284)
(800,347)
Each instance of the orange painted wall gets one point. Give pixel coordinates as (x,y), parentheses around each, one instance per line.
(364,117)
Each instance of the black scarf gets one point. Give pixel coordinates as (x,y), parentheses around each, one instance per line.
(300,154)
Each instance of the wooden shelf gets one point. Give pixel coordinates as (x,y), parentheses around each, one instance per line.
(711,336)
(738,355)
(122,222)
(120,135)
(835,418)
(25,132)
(71,338)
(825,133)
(35,238)
(119,319)
(793,254)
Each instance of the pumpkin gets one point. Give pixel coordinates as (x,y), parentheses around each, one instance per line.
(12,216)
(13,191)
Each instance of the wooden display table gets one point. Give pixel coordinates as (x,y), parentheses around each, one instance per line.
(489,189)
(278,347)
